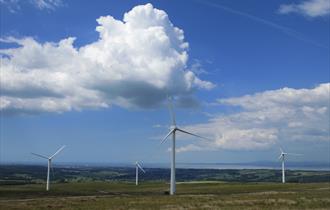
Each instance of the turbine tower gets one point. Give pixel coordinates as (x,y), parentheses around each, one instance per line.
(173,130)
(137,167)
(49,160)
(282,158)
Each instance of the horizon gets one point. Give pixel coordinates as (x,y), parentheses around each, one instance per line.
(316,165)
(252,77)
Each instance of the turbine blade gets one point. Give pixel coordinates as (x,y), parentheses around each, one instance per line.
(39,155)
(141,168)
(280,157)
(59,150)
(183,131)
(170,107)
(164,139)
(281,150)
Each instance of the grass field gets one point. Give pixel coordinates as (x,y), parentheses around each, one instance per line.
(151,195)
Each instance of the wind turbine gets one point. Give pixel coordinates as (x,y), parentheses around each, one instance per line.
(49,159)
(137,167)
(173,130)
(282,158)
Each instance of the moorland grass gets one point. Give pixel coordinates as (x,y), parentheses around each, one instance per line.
(152,195)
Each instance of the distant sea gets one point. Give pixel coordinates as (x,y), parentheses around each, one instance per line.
(269,165)
(315,166)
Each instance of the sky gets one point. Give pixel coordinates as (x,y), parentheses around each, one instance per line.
(251,76)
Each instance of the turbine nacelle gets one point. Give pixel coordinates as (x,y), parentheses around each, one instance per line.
(173,127)
(283,154)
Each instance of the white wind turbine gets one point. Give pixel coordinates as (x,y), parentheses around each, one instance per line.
(49,159)
(137,167)
(173,130)
(282,158)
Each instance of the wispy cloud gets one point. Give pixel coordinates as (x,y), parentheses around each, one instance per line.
(309,8)
(16,5)
(160,126)
(188,148)
(47,4)
(197,67)
(12,5)
(286,30)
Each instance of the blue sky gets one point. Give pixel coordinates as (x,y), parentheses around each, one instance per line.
(254,76)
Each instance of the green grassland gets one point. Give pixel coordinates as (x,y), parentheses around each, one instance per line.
(152,195)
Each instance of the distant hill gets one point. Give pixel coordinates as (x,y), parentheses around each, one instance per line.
(26,174)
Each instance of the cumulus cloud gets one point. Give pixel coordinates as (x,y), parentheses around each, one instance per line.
(134,63)
(267,118)
(310,8)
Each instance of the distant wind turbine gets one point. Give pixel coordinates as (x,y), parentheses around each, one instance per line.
(282,158)
(137,167)
(49,163)
(173,130)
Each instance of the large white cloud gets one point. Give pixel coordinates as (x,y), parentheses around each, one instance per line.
(310,8)
(134,63)
(268,118)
